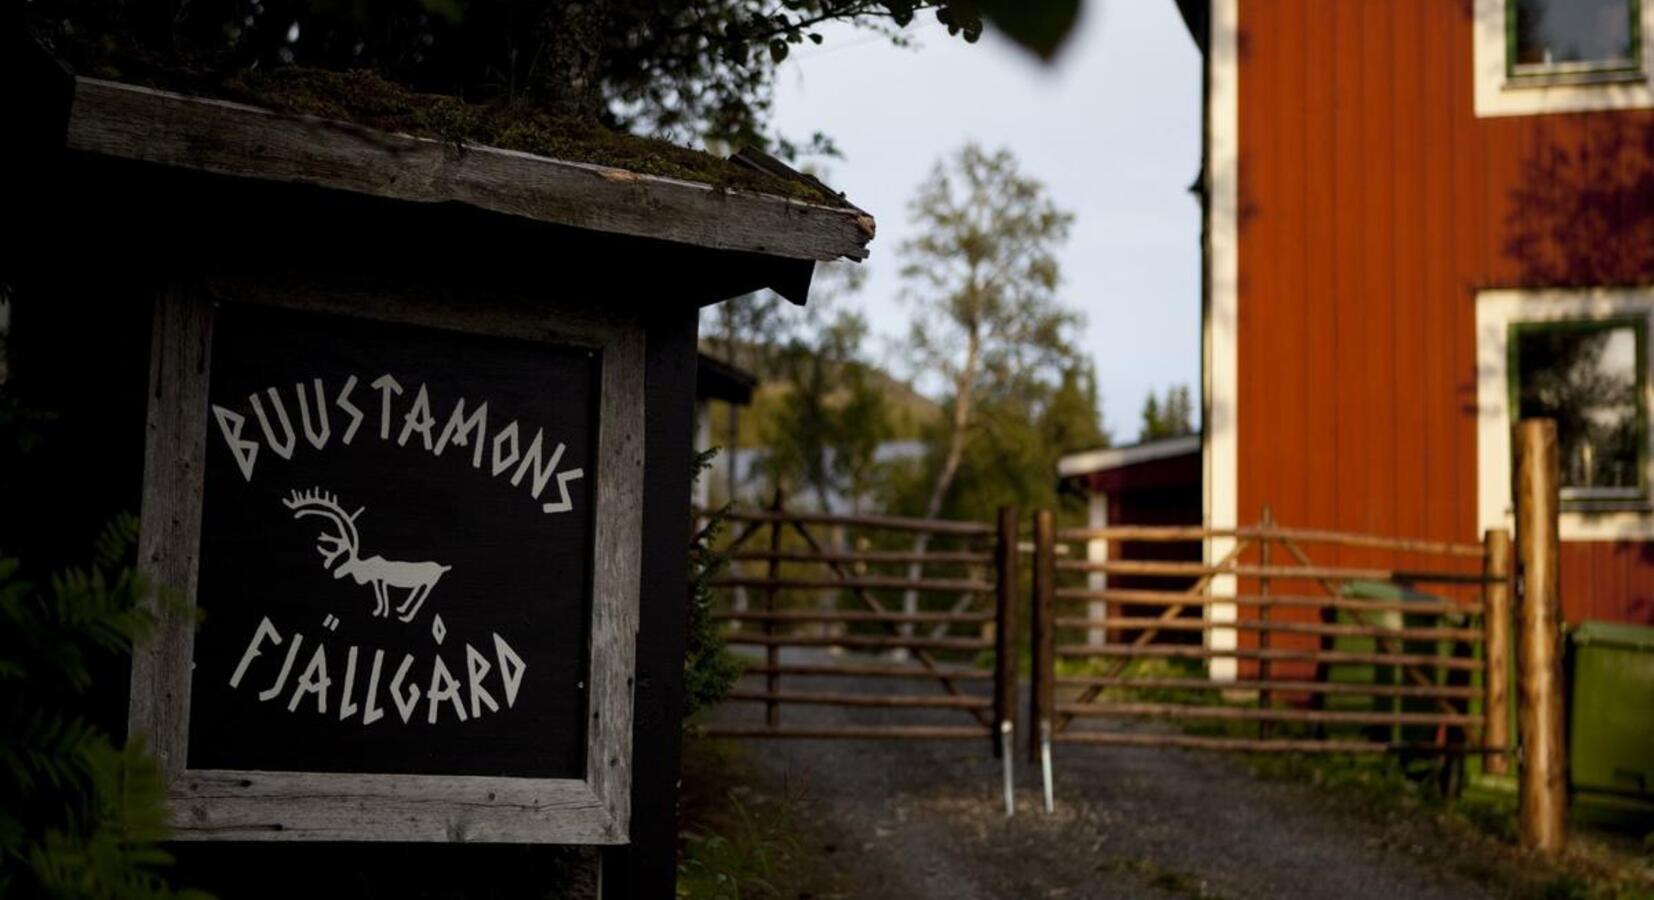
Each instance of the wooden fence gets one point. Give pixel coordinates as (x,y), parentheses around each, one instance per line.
(917,614)
(1303,640)
(1410,635)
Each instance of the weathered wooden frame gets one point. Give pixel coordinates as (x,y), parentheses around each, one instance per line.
(260,805)
(125,121)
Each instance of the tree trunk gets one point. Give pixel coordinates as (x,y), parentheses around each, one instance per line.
(572,81)
(963,402)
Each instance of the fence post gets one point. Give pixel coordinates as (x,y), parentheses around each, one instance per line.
(1542,789)
(1043,637)
(1005,644)
(772,652)
(1265,670)
(1496,652)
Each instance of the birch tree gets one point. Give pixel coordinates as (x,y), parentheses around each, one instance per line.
(981,279)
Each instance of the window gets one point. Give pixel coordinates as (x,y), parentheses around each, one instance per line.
(1588,376)
(1579,356)
(1550,38)
(1551,56)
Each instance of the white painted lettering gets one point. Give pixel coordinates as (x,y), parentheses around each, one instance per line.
(476,669)
(542,474)
(371,712)
(511,669)
(418,419)
(313,681)
(274,690)
(245,452)
(386,386)
(461,429)
(347,706)
(502,463)
(264,632)
(355,411)
(563,503)
(283,448)
(317,439)
(443,687)
(406,705)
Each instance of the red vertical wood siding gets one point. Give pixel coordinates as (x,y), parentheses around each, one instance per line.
(1374,205)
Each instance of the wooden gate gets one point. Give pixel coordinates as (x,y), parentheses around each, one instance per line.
(909,622)
(1303,641)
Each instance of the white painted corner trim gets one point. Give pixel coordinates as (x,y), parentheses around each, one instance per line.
(1496,311)
(1497,95)
(1221,345)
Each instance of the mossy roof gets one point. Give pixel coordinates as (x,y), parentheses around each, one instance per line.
(365,98)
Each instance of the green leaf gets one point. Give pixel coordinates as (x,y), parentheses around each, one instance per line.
(1040,26)
(450,11)
(901,11)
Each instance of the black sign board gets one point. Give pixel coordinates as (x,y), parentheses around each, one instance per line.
(396,550)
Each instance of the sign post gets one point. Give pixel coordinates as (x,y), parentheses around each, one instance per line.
(417,504)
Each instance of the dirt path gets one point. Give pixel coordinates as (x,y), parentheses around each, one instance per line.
(926,819)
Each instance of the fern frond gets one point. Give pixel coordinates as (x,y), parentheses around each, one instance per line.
(42,748)
(116,542)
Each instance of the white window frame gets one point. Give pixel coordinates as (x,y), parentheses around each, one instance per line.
(1496,311)
(1497,94)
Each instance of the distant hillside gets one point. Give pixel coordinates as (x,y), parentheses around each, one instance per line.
(910,410)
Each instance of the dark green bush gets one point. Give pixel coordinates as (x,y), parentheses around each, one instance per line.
(81,816)
(709,669)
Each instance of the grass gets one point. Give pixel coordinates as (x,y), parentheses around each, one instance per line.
(1165,878)
(1477,829)
(732,847)
(1474,832)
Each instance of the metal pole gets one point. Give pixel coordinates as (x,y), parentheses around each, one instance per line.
(1005,645)
(1043,690)
(1045,764)
(1006,763)
(1006,559)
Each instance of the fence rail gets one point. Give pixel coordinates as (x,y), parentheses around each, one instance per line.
(1394,634)
(1311,573)
(1383,644)
(1174,598)
(1178,533)
(777,514)
(872,603)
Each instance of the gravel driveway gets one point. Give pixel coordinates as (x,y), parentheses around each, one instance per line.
(920,819)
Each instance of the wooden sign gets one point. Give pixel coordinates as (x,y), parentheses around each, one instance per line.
(416,571)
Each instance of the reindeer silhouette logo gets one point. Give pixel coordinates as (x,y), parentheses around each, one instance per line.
(417,578)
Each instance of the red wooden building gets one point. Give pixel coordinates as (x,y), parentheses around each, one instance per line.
(1152,483)
(1423,219)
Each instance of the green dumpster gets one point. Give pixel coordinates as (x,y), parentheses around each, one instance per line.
(1384,674)
(1611,709)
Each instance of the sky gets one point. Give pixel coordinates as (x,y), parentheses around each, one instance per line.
(1112,128)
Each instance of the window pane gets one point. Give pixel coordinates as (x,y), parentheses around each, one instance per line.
(1552,32)
(1585,377)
